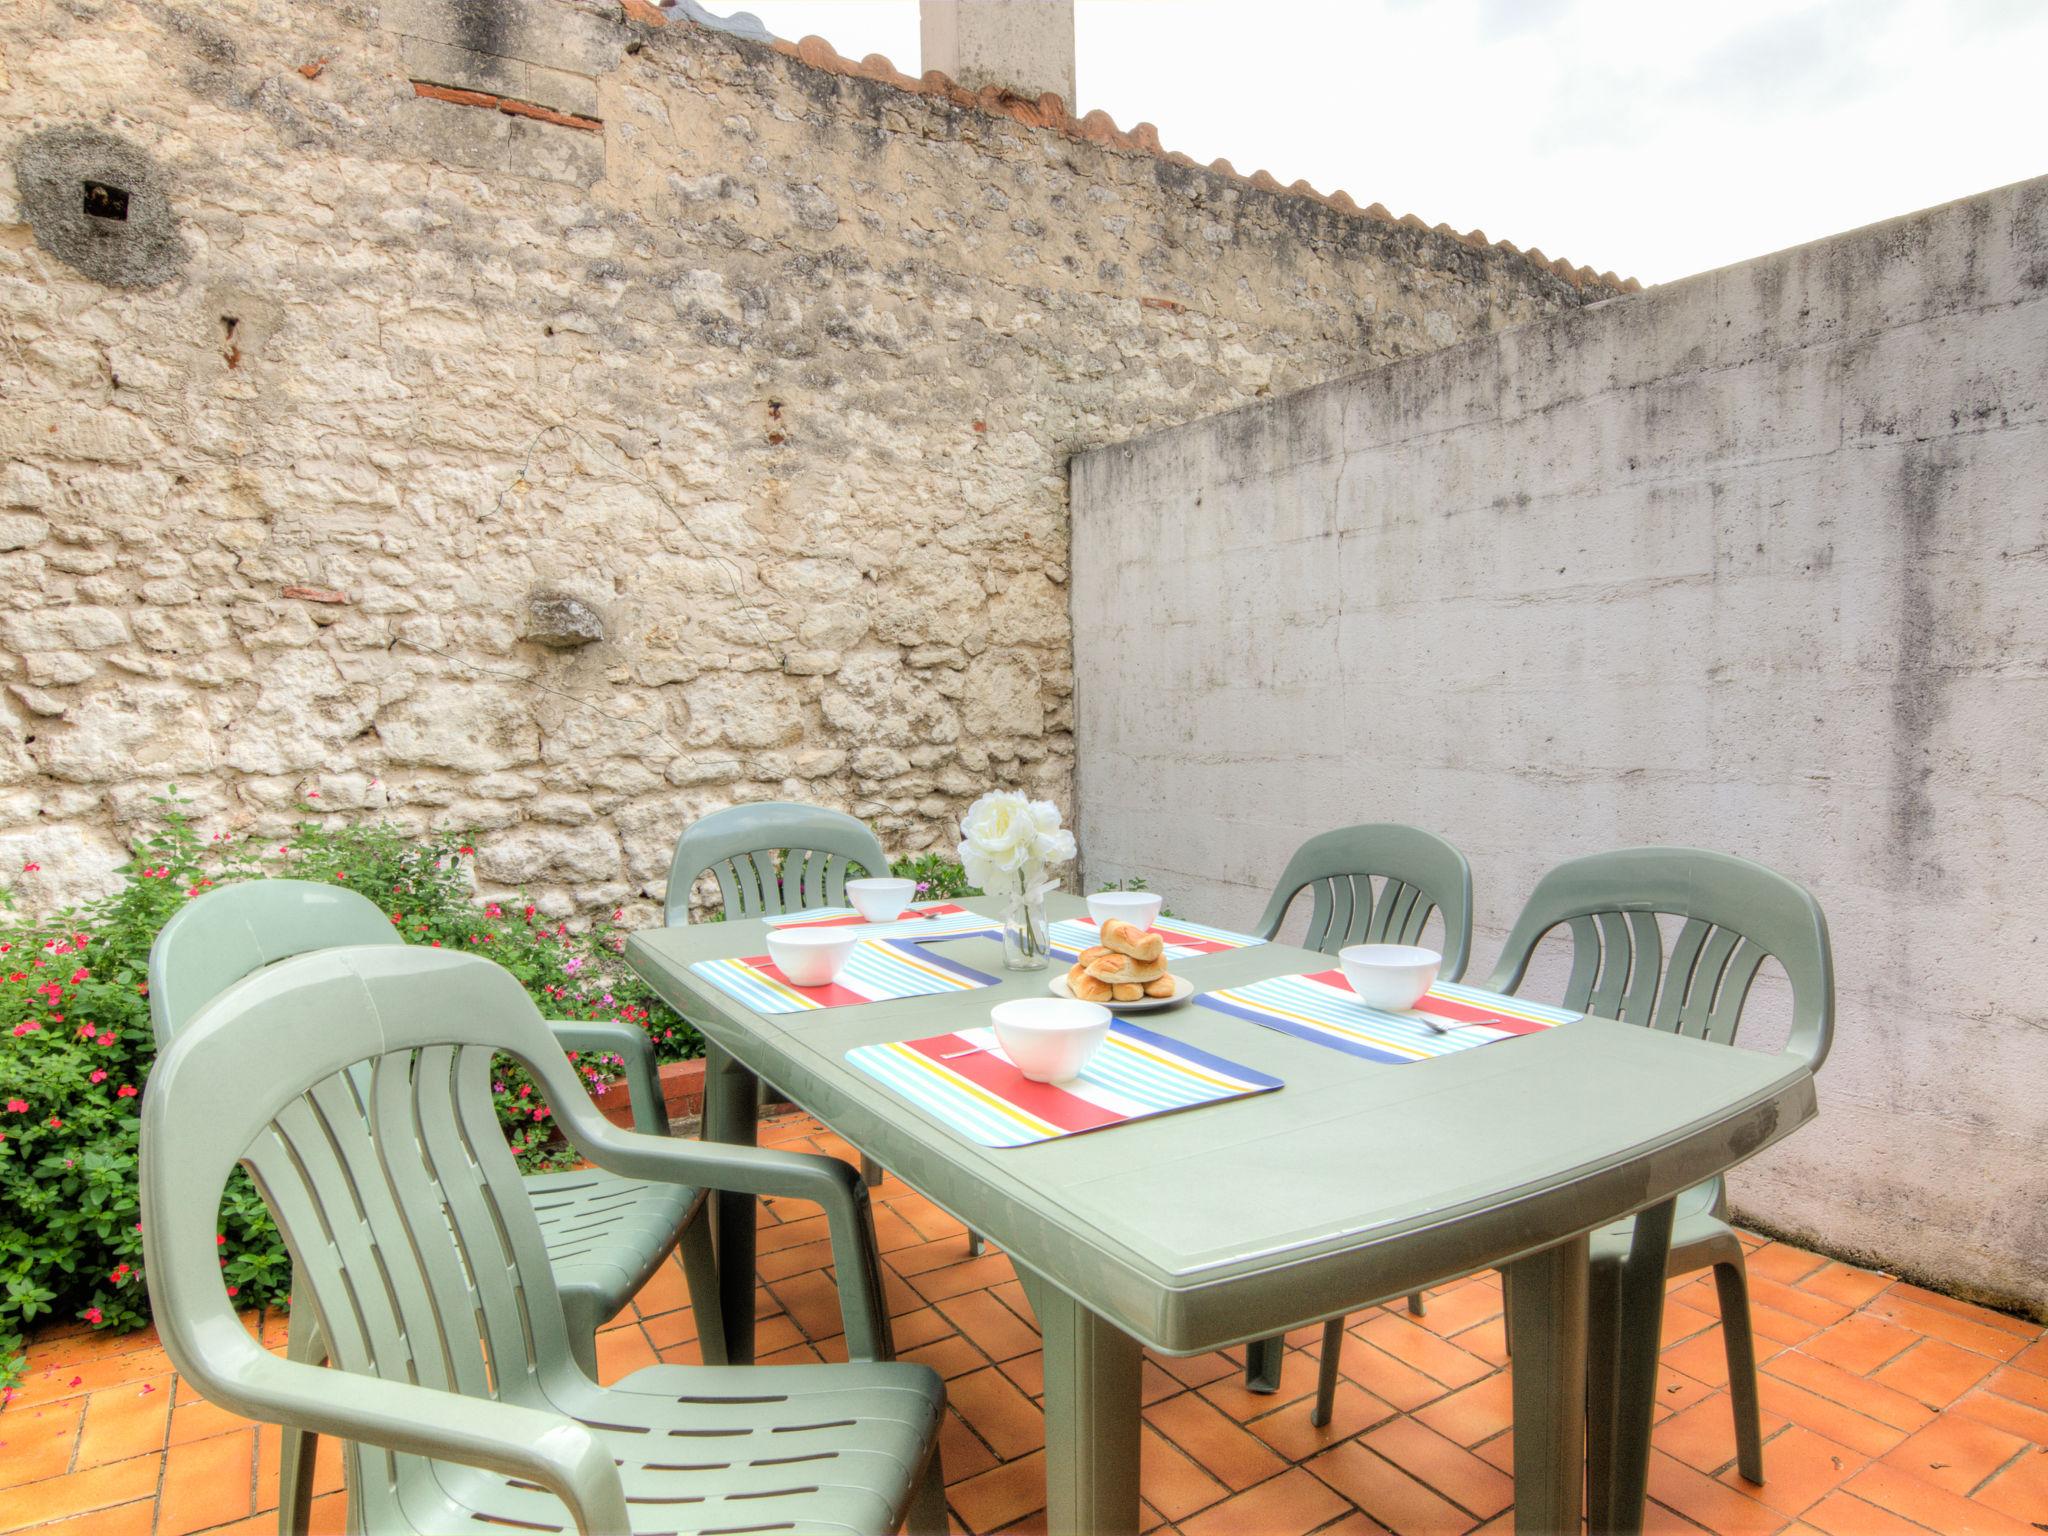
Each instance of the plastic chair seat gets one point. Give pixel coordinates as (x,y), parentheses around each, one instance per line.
(811,1448)
(605,1235)
(1698,1234)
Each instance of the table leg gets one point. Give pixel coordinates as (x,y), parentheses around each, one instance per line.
(1642,1327)
(732,1099)
(1548,1297)
(1262,1359)
(1091,1416)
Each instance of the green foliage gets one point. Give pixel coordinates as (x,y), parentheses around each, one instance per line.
(1134,883)
(76,1047)
(935,875)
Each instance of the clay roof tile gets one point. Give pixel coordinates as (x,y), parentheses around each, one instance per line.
(1050,111)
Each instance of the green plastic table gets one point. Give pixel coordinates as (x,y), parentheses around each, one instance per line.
(1228,1223)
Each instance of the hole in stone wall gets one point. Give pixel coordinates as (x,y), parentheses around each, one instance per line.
(231,353)
(106,202)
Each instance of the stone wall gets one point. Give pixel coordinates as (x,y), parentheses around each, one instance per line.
(419,313)
(1757,561)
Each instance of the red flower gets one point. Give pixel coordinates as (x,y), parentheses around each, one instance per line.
(54,1123)
(126,1091)
(120,1274)
(234,1290)
(98,1075)
(17,1106)
(29,869)
(104,1039)
(465,848)
(79,975)
(92,1315)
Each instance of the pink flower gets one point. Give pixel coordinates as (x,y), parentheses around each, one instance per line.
(79,975)
(104,1039)
(98,1075)
(17,1106)
(25,1028)
(29,869)
(92,1315)
(87,1031)
(120,1274)
(126,1091)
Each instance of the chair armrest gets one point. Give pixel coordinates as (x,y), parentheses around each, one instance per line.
(643,1075)
(545,1448)
(835,1187)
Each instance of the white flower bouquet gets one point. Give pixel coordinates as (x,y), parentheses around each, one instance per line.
(1007,844)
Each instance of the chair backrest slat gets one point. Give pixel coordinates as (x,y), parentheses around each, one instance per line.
(770,859)
(1419,875)
(1735,915)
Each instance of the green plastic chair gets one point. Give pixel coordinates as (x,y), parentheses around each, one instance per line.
(770,859)
(605,1235)
(1417,872)
(1373,884)
(354,1084)
(1735,915)
(773,858)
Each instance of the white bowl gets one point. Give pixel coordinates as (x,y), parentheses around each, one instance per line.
(1139,908)
(811,957)
(1390,976)
(880,900)
(1049,1039)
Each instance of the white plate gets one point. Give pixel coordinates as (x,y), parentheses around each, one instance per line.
(1183,989)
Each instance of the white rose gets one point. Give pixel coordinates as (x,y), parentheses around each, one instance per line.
(1006,841)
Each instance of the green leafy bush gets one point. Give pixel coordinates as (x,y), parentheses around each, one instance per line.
(76,1047)
(936,875)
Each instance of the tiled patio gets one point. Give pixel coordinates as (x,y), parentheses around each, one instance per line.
(1888,1409)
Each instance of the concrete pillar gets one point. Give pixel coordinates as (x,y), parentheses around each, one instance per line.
(1025,45)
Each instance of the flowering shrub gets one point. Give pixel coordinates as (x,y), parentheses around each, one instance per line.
(76,1047)
(936,876)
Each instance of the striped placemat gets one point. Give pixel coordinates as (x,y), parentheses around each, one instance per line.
(1322,1007)
(944,918)
(966,1082)
(1071,935)
(877,971)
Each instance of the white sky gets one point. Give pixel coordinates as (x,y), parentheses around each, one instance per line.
(1654,138)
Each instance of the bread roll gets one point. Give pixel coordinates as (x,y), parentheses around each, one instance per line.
(1127,991)
(1094,952)
(1129,939)
(1086,987)
(1162,986)
(1116,968)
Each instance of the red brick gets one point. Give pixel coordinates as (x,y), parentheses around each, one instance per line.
(1214,1440)
(1800,1468)
(1725,1511)
(990,1402)
(1955,1452)
(1291,1504)
(1478,1413)
(1861,1343)
(1914,1498)
(1450,1469)
(1935,1372)
(1383,1491)
(2021,1489)
(1172,1483)
(1417,1347)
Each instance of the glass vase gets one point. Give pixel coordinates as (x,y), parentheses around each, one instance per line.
(1027,946)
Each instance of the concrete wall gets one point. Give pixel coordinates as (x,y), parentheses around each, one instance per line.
(1757,561)
(771,360)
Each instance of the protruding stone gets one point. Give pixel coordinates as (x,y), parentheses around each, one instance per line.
(561,621)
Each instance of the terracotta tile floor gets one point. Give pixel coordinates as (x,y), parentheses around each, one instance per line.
(1888,1408)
